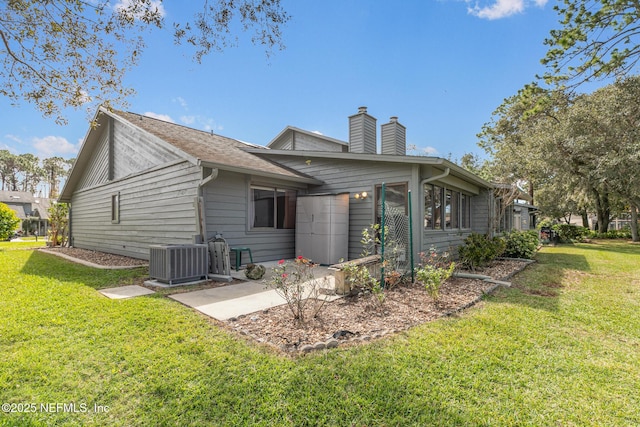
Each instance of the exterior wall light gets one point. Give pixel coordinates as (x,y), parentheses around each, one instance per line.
(363,195)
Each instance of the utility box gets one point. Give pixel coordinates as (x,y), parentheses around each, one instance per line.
(178,263)
(322,227)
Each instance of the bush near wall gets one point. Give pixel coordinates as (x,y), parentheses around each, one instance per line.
(479,250)
(521,244)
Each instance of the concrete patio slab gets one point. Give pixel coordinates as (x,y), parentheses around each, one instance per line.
(226,302)
(123,292)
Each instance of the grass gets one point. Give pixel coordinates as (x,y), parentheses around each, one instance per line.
(560,347)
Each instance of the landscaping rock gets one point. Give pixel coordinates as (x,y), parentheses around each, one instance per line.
(255,271)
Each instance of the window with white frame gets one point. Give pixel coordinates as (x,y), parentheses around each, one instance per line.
(446,209)
(272,207)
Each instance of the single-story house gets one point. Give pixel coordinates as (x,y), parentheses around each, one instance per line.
(513,209)
(140,181)
(32,211)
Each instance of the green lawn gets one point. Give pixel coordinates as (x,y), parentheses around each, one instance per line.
(560,348)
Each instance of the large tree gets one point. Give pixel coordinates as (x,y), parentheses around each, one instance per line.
(30,172)
(598,39)
(581,151)
(68,53)
(55,168)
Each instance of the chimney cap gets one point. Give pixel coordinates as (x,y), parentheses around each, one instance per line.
(362,109)
(393,118)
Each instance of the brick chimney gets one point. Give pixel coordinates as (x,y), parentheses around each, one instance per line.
(362,133)
(394,138)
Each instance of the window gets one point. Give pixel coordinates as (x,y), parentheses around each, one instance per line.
(396,198)
(465,210)
(115,208)
(272,208)
(437,207)
(445,209)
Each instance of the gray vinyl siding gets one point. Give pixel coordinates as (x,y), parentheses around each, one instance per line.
(311,143)
(393,139)
(356,176)
(132,152)
(97,170)
(294,140)
(135,151)
(350,176)
(481,211)
(362,134)
(227,209)
(156,207)
(444,240)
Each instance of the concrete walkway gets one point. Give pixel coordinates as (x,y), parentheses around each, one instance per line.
(234,300)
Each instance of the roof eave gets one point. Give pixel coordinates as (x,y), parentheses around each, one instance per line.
(298,178)
(436,161)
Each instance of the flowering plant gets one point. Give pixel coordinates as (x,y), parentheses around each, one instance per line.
(297,285)
(434,270)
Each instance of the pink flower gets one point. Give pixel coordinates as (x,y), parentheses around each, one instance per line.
(300,257)
(284,275)
(281,262)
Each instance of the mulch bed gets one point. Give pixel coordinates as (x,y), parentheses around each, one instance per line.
(352,319)
(362,317)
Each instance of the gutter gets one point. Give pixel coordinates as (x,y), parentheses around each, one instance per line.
(446,173)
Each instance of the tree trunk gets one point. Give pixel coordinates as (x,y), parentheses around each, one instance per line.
(585,219)
(634,223)
(603,210)
(531,192)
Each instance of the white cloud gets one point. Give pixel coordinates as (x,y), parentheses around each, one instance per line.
(188,120)
(13,138)
(181,101)
(200,122)
(429,151)
(502,8)
(50,146)
(164,117)
(317,132)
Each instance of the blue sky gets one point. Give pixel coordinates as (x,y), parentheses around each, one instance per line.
(441,66)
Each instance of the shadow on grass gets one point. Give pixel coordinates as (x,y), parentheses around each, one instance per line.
(53,267)
(617,246)
(541,284)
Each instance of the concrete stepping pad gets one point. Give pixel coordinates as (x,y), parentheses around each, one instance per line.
(123,292)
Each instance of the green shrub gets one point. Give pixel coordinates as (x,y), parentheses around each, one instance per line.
(479,250)
(359,277)
(434,270)
(8,221)
(570,232)
(625,233)
(521,244)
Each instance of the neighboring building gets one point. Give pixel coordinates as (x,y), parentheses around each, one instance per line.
(140,181)
(513,209)
(32,211)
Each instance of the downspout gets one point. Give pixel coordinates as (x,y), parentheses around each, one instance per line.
(446,173)
(201,214)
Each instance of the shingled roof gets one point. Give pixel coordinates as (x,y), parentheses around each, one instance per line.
(211,149)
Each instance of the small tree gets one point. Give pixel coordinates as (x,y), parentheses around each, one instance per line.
(59,219)
(297,285)
(8,221)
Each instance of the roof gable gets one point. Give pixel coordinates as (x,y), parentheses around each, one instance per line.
(196,146)
(293,138)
